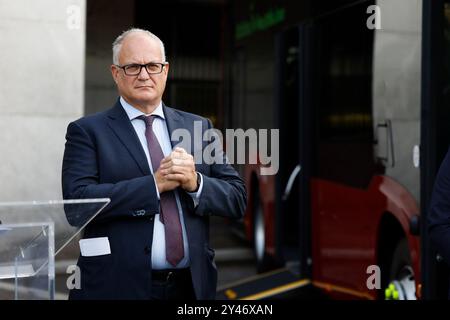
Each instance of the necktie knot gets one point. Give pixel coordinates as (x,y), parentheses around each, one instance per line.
(147,119)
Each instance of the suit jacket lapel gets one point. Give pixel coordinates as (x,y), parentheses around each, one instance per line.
(174,121)
(122,127)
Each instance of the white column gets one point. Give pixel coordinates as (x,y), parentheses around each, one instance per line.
(41,90)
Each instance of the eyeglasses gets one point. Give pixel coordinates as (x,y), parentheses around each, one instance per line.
(134,69)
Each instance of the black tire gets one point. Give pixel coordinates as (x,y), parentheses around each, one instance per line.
(400,259)
(400,272)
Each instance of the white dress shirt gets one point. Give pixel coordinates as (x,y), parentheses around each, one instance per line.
(158,259)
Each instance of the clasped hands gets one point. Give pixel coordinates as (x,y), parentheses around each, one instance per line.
(176,170)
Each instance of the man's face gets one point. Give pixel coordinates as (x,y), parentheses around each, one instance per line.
(143,90)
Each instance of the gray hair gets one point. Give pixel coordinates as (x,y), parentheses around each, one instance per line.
(117,44)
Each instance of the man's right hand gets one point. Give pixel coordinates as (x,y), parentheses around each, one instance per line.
(163,184)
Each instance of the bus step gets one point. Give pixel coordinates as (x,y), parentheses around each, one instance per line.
(276,284)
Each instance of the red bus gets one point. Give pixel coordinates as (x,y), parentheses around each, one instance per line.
(362,110)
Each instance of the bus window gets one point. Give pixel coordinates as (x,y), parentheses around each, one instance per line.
(343,100)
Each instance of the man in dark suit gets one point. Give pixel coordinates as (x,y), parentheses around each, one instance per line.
(152,240)
(439,213)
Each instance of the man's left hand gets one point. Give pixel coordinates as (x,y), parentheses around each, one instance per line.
(179,165)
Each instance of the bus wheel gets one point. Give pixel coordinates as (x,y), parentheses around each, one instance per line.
(402,285)
(259,235)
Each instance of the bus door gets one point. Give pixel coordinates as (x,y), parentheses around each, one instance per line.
(435,132)
(292,115)
(342,150)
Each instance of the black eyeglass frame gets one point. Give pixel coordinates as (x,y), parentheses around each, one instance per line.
(124,67)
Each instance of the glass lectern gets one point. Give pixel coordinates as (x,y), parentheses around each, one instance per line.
(31,235)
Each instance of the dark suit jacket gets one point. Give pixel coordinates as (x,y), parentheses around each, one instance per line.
(103,158)
(439,213)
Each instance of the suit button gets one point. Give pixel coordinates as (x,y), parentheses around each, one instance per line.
(152,218)
(139,213)
(147,250)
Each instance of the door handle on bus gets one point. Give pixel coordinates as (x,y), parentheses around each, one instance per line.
(290,182)
(389,142)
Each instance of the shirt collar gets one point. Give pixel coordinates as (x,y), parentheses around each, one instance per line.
(133,112)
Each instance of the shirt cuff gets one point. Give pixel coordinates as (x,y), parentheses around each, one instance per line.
(156,187)
(196,195)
